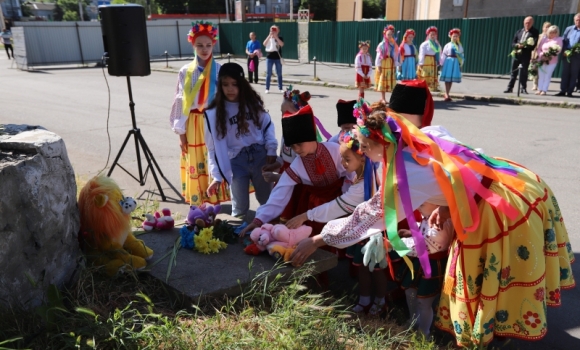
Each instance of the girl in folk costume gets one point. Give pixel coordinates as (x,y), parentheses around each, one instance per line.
(511,256)
(452,59)
(386,62)
(293,101)
(240,139)
(429,54)
(408,55)
(363,64)
(359,190)
(196,88)
(315,177)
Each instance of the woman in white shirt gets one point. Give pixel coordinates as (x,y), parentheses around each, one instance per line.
(273,44)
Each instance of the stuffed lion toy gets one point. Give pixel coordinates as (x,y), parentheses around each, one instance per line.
(105,233)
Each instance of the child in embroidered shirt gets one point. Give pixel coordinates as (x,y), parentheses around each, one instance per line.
(363,64)
(452,58)
(240,139)
(420,291)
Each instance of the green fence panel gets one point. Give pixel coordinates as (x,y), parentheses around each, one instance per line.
(234,36)
(486,41)
(322,41)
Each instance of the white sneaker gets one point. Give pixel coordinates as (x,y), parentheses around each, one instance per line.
(267,91)
(281,91)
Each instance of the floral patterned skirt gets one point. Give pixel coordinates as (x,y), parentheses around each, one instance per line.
(194,172)
(386,76)
(507,271)
(429,72)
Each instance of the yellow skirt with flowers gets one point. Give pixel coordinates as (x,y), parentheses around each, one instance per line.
(386,76)
(506,272)
(428,72)
(194,171)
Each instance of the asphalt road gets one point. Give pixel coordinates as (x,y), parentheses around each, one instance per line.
(73,104)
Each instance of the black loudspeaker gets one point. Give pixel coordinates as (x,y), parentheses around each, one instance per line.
(125,40)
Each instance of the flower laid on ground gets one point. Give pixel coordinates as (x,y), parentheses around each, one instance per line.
(528,43)
(575,50)
(205,243)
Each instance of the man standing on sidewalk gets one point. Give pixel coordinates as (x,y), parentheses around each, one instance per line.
(524,44)
(570,64)
(7,41)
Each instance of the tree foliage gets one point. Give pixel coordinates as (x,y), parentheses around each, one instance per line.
(323,10)
(68,10)
(374,8)
(172,6)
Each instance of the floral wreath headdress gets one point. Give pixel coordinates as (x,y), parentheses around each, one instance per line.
(297,98)
(454,31)
(431,29)
(366,43)
(453,165)
(351,142)
(202,28)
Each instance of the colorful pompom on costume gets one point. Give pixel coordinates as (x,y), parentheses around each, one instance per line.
(105,233)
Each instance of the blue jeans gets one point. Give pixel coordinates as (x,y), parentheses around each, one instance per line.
(246,166)
(269,63)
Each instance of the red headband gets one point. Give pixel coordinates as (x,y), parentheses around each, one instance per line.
(454,31)
(431,29)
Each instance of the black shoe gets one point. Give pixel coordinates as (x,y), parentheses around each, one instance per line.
(524,91)
(569,94)
(561,93)
(508,90)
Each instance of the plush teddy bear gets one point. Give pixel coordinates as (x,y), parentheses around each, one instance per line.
(205,212)
(149,223)
(105,232)
(165,222)
(278,240)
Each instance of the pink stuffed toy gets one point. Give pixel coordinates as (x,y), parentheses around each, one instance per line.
(166,221)
(261,236)
(279,240)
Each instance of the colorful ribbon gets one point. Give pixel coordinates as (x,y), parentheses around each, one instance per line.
(204,88)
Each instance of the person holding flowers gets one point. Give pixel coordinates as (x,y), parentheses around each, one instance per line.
(386,62)
(408,56)
(534,64)
(523,45)
(548,57)
(429,55)
(452,58)
(363,64)
(570,58)
(196,89)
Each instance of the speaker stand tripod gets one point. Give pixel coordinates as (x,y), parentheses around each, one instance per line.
(139,142)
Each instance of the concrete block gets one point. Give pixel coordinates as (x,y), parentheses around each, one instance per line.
(227,272)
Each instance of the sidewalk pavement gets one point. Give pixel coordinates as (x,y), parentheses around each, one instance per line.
(478,87)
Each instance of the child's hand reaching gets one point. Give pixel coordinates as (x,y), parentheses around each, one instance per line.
(296,221)
(404,233)
(213,187)
(271,167)
(271,176)
(183,143)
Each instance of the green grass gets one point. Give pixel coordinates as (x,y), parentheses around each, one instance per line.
(138,312)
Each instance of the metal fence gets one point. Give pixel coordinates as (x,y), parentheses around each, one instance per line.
(53,43)
(487,41)
(234,36)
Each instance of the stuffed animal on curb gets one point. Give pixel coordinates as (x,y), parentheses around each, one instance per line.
(165,222)
(205,212)
(105,235)
(149,223)
(278,240)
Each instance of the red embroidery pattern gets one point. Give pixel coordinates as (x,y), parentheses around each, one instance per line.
(355,226)
(323,157)
(293,175)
